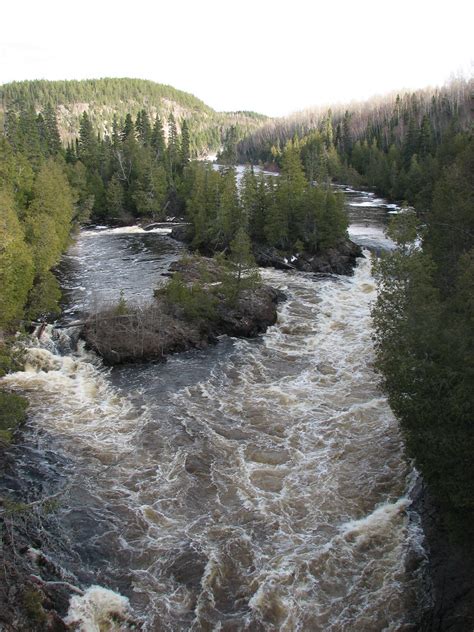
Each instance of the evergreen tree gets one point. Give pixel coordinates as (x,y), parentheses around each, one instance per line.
(173,144)
(88,149)
(49,216)
(158,140)
(29,138)
(185,141)
(143,127)
(228,212)
(116,134)
(53,138)
(243,272)
(128,130)
(16,263)
(115,198)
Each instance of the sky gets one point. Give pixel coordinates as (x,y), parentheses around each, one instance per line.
(271,57)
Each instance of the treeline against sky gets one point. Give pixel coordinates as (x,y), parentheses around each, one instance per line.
(101,99)
(389,143)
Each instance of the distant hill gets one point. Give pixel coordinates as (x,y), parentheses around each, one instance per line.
(385,118)
(102,98)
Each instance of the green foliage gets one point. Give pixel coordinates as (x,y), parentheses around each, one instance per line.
(195,300)
(16,263)
(275,211)
(122,307)
(398,145)
(12,414)
(49,216)
(239,271)
(11,356)
(115,198)
(44,296)
(424,333)
(207,128)
(404,229)
(37,208)
(33,604)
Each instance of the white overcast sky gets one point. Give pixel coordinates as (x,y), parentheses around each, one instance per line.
(273,57)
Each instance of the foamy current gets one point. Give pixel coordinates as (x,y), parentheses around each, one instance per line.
(257,485)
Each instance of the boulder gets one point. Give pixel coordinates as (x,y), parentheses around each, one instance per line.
(338,260)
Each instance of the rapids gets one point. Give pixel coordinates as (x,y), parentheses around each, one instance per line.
(257,485)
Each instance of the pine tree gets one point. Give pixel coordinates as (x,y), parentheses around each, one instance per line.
(185,151)
(143,128)
(29,139)
(128,130)
(116,134)
(49,216)
(425,141)
(53,137)
(173,144)
(115,198)
(290,192)
(228,217)
(248,198)
(88,149)
(158,140)
(244,272)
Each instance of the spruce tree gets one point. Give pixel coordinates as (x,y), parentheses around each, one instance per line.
(158,140)
(143,128)
(53,137)
(185,142)
(128,130)
(173,144)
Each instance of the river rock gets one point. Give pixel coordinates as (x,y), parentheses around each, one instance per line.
(268,257)
(253,313)
(149,333)
(181,233)
(338,260)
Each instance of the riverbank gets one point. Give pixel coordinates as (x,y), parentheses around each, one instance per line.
(448,573)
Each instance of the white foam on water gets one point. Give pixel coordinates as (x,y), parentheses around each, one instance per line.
(276,475)
(70,395)
(98,610)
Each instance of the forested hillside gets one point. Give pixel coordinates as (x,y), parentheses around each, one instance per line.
(389,143)
(102,99)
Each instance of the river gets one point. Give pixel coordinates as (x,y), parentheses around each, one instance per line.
(256,485)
